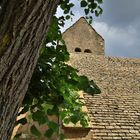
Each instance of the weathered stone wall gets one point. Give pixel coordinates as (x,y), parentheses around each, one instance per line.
(115,113)
(25,129)
(82,35)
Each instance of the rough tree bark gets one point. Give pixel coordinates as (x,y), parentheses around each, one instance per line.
(23,25)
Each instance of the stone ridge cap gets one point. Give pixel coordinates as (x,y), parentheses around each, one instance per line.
(108,59)
(74,24)
(85,54)
(124,59)
(82,18)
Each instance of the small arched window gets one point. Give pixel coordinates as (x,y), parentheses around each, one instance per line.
(87,51)
(77,50)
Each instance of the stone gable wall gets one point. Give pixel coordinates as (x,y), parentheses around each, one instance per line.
(82,35)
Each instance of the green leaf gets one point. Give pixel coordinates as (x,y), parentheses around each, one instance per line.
(74,119)
(86,11)
(35,131)
(22,121)
(54,126)
(96,13)
(63,114)
(68,17)
(100,10)
(71,4)
(71,13)
(50,112)
(93,6)
(40,117)
(49,133)
(84,123)
(66,11)
(100,1)
(90,21)
(66,121)
(62,6)
(24,110)
(83,82)
(84,3)
(61,137)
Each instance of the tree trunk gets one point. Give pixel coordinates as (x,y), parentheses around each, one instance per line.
(23,26)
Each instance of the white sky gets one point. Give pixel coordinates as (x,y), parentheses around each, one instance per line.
(119,25)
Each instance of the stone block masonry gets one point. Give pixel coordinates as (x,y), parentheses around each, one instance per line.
(81,37)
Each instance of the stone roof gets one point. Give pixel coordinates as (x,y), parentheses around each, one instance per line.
(115,113)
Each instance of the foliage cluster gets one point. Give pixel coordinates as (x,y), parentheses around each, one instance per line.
(54,85)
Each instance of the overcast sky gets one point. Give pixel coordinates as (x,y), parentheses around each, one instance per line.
(119,25)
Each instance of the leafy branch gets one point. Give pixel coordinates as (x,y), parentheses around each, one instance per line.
(54,85)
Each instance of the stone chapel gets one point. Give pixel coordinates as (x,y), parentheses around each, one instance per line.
(115,113)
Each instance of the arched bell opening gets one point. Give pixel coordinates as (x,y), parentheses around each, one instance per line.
(87,51)
(78,50)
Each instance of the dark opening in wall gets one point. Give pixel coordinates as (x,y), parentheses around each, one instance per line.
(77,50)
(87,51)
